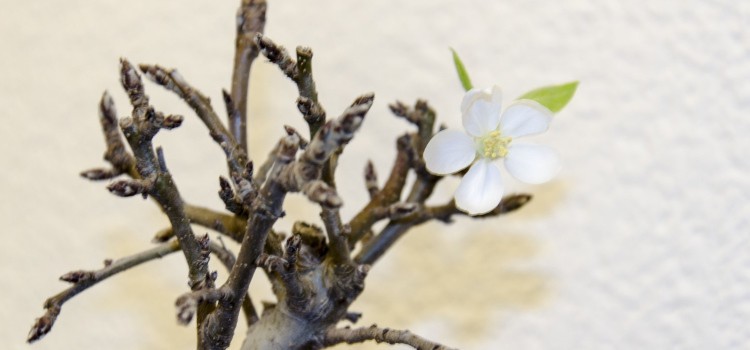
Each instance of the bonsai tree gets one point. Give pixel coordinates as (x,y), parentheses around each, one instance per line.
(319,268)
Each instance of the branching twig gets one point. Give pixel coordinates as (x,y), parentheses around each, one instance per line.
(138,132)
(84,279)
(231,226)
(173,81)
(389,194)
(381,335)
(116,154)
(377,246)
(300,72)
(286,268)
(286,176)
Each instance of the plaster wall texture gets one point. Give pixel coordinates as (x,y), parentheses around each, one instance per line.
(642,242)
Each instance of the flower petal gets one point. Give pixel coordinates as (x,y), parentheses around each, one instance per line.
(525,117)
(470,97)
(448,152)
(481,189)
(496,95)
(533,164)
(480,111)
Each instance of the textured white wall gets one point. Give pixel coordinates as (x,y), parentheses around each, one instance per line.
(640,243)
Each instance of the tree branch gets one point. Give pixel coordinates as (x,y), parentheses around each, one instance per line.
(286,176)
(173,81)
(251,19)
(338,247)
(389,194)
(116,154)
(381,335)
(137,132)
(83,280)
(378,245)
(300,72)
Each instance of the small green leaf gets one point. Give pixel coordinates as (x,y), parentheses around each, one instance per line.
(554,97)
(461,70)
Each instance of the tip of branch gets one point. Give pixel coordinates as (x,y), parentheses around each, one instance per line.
(514,202)
(365,99)
(399,109)
(186,308)
(128,188)
(41,326)
(163,235)
(99,174)
(172,121)
(77,276)
(292,131)
(107,108)
(288,148)
(131,81)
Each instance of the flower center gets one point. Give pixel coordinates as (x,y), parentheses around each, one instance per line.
(493,145)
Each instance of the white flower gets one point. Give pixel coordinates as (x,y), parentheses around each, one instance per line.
(490,139)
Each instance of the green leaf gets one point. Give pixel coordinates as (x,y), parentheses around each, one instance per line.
(554,97)
(461,70)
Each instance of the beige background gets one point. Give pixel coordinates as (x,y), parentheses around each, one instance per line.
(640,243)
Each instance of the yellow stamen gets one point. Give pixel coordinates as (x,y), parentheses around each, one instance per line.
(493,145)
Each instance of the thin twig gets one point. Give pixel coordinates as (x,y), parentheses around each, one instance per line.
(300,71)
(381,335)
(116,154)
(173,81)
(389,194)
(251,19)
(395,229)
(337,243)
(229,225)
(54,304)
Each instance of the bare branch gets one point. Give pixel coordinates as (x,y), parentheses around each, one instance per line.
(286,268)
(228,259)
(173,81)
(286,176)
(389,194)
(129,188)
(251,19)
(231,226)
(232,202)
(139,131)
(339,248)
(381,335)
(116,154)
(300,72)
(378,245)
(85,279)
